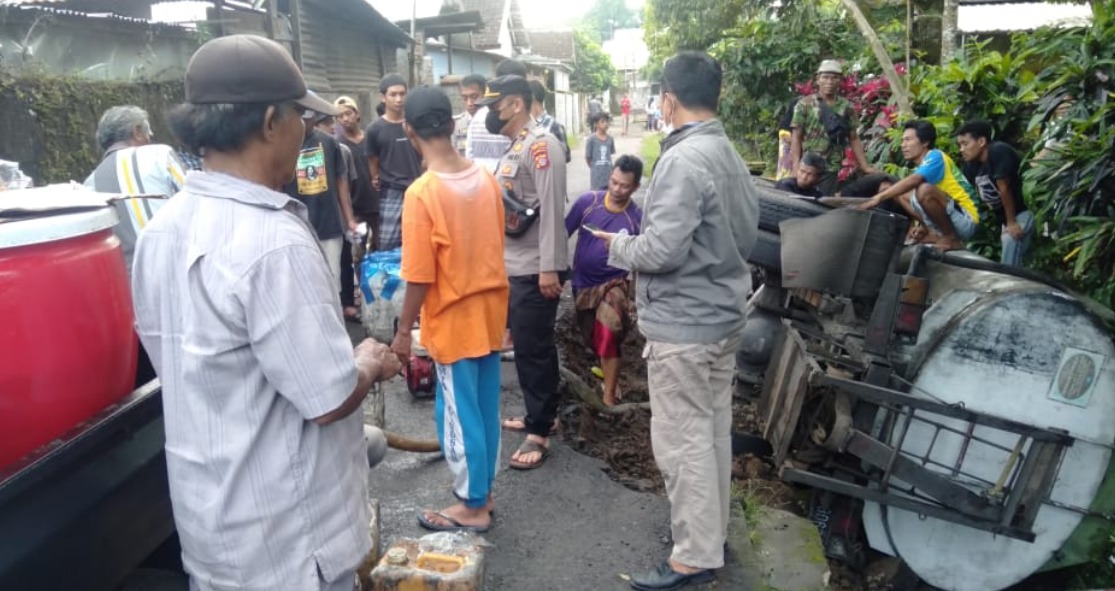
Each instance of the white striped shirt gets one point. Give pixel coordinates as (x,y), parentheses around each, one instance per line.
(235,305)
(141,170)
(482,147)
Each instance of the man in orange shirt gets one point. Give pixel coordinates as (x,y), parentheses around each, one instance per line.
(453,226)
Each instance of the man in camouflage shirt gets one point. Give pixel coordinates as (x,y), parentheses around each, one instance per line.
(812,134)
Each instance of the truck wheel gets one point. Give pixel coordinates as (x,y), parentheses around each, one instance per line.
(775,206)
(155,579)
(767,252)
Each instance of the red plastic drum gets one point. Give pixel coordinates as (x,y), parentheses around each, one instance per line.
(67,341)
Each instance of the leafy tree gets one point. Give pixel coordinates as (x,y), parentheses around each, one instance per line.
(977,83)
(606,16)
(773,48)
(1074,181)
(671,25)
(594,71)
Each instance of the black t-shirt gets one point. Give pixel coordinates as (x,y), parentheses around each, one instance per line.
(365,198)
(791,184)
(1003,163)
(398,161)
(320,164)
(866,185)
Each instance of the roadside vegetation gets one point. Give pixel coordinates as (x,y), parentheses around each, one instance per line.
(770,50)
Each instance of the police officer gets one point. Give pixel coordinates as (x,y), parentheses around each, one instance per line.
(535,253)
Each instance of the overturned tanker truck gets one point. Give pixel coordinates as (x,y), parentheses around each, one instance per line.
(963,411)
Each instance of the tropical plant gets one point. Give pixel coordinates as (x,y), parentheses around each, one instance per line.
(1075,180)
(979,83)
(768,51)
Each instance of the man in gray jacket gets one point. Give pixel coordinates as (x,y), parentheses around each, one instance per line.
(700,222)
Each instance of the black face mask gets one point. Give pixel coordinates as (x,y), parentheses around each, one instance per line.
(493,123)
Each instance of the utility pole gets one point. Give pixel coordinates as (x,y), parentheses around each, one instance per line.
(413,43)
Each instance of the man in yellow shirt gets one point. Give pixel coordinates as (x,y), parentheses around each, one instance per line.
(936,193)
(453,224)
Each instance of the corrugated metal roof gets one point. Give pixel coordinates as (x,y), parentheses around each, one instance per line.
(492,13)
(556,45)
(62,8)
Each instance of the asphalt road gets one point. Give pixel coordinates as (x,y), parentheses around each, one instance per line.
(565,526)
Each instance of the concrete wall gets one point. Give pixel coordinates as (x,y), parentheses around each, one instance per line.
(40,41)
(567,111)
(47,123)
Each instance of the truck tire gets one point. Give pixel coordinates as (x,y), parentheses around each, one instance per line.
(767,252)
(775,206)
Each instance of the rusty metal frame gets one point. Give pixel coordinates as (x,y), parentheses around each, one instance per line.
(896,477)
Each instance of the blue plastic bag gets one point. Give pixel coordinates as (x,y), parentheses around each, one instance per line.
(380,274)
(383,289)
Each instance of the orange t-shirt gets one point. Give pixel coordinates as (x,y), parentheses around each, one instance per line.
(453,240)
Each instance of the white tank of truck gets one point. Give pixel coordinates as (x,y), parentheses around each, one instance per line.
(1020,350)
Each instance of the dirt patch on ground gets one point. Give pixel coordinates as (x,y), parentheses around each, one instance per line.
(623,440)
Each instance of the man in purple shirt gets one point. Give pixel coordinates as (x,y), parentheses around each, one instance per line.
(602,292)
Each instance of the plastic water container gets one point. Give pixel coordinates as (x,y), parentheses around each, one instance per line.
(66,333)
(436,562)
(383,289)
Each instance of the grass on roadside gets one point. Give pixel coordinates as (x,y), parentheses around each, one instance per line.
(649,152)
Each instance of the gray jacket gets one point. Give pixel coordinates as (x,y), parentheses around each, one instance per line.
(700,222)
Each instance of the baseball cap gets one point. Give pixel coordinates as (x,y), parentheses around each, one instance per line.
(830,67)
(346,101)
(241,69)
(427,108)
(505,86)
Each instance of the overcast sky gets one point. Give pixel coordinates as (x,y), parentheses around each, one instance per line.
(538,14)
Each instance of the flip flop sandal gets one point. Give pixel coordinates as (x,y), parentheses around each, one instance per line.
(455,525)
(508,425)
(527,447)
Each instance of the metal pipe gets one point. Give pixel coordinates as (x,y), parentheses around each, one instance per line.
(998,490)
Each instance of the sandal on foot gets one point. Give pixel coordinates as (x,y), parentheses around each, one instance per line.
(519,424)
(527,447)
(454,524)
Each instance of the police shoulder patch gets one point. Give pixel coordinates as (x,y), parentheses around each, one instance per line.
(540,152)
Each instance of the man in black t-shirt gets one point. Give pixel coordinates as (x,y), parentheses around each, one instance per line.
(392,161)
(806,177)
(365,199)
(350,132)
(321,183)
(994,169)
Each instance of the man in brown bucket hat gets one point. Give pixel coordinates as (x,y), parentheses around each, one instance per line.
(235,303)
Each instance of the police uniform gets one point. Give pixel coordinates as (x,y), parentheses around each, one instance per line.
(533,170)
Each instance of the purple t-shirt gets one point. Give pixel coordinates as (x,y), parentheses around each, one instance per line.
(590,262)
